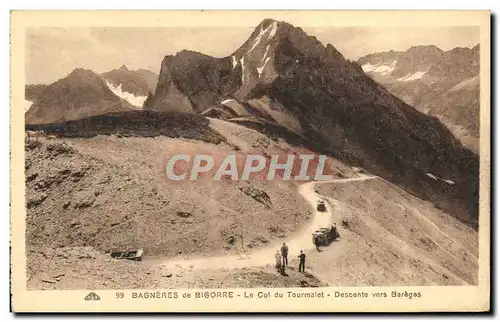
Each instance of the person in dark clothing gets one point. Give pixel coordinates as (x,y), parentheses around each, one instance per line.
(284,254)
(334,232)
(317,242)
(302,263)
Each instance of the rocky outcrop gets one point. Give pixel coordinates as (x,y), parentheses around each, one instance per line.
(192,82)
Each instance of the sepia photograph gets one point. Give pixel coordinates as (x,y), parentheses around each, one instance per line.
(272,154)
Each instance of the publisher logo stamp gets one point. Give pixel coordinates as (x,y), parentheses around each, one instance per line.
(92,297)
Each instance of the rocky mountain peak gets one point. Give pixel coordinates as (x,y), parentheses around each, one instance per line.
(417,59)
(272,34)
(136,82)
(425,49)
(82,93)
(82,73)
(272,49)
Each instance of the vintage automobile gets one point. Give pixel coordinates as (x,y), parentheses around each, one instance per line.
(135,255)
(325,236)
(321,206)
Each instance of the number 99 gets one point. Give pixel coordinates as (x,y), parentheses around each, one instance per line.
(119,295)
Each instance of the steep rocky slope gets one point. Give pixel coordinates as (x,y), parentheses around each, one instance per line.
(79,95)
(290,79)
(84,192)
(150,77)
(416,59)
(104,187)
(32,92)
(112,192)
(444,84)
(190,81)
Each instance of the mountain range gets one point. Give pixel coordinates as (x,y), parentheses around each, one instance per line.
(284,82)
(441,83)
(84,93)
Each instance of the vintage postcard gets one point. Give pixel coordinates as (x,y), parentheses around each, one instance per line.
(250,161)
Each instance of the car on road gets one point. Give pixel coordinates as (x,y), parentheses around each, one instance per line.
(325,236)
(321,206)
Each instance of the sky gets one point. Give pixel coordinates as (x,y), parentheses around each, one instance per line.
(52,53)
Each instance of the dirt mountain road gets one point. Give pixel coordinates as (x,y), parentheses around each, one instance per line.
(265,256)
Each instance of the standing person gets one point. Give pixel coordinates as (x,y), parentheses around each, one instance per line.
(302,263)
(278,260)
(334,231)
(317,242)
(284,253)
(337,235)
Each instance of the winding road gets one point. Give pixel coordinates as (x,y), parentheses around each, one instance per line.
(265,255)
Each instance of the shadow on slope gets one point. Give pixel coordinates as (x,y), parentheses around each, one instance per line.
(135,124)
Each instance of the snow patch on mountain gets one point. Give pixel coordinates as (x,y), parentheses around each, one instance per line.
(412,77)
(27,105)
(267,52)
(234,61)
(430,175)
(260,69)
(224,102)
(450,182)
(136,101)
(273,28)
(242,61)
(368,67)
(382,69)
(266,59)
